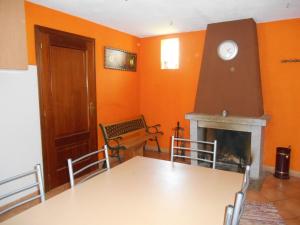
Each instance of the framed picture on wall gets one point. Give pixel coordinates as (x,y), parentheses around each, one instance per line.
(119,59)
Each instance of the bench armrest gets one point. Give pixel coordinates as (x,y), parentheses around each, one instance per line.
(156,125)
(154,129)
(117,145)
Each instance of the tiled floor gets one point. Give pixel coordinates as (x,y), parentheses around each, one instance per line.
(284,194)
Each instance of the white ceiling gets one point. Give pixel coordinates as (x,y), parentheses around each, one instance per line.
(155,17)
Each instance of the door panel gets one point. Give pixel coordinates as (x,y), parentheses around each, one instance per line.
(66,70)
(74,150)
(69,91)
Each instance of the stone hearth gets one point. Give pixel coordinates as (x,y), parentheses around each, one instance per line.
(253,125)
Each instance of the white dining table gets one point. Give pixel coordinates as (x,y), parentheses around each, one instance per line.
(141,191)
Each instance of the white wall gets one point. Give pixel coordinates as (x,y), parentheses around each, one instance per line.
(20,135)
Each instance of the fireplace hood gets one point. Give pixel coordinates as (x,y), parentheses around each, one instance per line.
(231,85)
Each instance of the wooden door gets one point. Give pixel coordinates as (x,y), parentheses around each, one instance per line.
(66,72)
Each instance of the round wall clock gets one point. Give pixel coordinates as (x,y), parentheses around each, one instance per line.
(227,50)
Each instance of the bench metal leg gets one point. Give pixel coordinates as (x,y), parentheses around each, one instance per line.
(115,154)
(158,147)
(104,166)
(118,155)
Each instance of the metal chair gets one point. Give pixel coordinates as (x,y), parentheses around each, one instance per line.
(245,185)
(238,207)
(38,183)
(228,215)
(246,180)
(233,213)
(208,152)
(71,162)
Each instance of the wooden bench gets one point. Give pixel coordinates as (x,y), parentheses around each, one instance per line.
(129,134)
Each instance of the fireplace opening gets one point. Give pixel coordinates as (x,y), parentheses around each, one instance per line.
(233,148)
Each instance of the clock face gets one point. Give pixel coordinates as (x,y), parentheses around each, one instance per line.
(228,50)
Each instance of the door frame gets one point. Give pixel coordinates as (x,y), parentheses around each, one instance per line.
(41,83)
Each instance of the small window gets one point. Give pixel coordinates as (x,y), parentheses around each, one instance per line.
(169,53)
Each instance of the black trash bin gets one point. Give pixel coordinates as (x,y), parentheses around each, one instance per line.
(282,167)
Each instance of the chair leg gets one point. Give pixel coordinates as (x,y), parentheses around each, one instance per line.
(158,147)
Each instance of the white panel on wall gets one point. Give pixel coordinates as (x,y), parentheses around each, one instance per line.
(20,135)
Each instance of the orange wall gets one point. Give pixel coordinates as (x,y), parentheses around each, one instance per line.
(166,95)
(281,86)
(117,91)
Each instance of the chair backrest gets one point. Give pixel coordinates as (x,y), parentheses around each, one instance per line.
(245,185)
(228,215)
(246,179)
(73,173)
(238,207)
(212,152)
(38,183)
(233,213)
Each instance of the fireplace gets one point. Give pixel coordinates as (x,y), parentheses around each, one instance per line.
(240,140)
(229,102)
(233,149)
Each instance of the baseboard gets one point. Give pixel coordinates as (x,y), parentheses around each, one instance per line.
(271,169)
(154,148)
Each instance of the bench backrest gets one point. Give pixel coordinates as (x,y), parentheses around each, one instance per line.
(122,128)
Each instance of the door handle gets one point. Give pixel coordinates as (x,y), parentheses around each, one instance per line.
(92,106)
